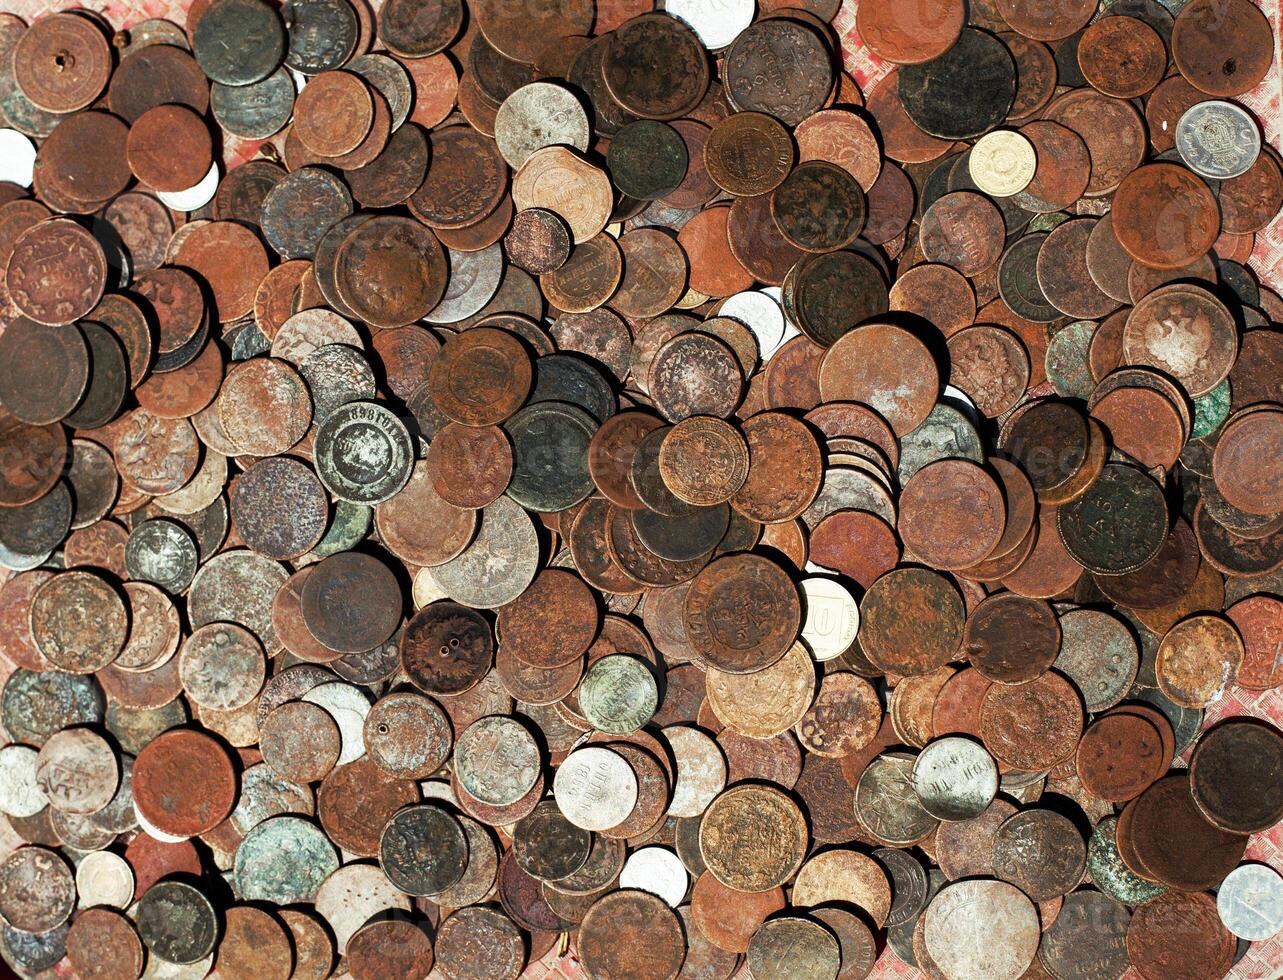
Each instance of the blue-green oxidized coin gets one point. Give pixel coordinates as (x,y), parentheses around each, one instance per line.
(283,860)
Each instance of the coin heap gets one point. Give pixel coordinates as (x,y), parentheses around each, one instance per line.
(481,480)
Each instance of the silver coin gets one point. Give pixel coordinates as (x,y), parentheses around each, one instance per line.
(264,794)
(982,928)
(496,760)
(716,22)
(162,552)
(537,115)
(1250,902)
(595,788)
(701,770)
(474,279)
(77,771)
(849,489)
(19,794)
(656,870)
(618,695)
(500,562)
(104,878)
(1218,139)
(955,778)
(351,895)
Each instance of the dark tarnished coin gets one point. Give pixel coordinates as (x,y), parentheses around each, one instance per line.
(965,92)
(1119,525)
(363,453)
(1089,935)
(829,295)
(446,648)
(641,44)
(56,273)
(1041,852)
(647,159)
(254,111)
(794,946)
(322,34)
(302,206)
(238,42)
(480,943)
(176,922)
(46,370)
(340,623)
(751,83)
(819,207)
(423,850)
(1231,774)
(550,456)
(547,845)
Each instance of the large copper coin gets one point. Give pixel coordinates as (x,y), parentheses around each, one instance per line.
(199,806)
(742,613)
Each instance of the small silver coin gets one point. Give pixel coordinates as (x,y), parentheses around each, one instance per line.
(1250,902)
(955,778)
(1218,139)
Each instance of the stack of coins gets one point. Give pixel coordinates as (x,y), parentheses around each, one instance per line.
(497,484)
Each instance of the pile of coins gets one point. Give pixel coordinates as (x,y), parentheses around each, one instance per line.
(488,484)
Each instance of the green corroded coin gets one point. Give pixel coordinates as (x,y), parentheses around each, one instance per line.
(945,434)
(283,860)
(363,453)
(348,528)
(550,456)
(1066,361)
(618,695)
(35,704)
(1108,872)
(1210,410)
(1048,222)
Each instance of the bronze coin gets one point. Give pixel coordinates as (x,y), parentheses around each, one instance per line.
(553,622)
(56,273)
(1179,932)
(481,377)
(341,625)
(390,271)
(446,648)
(203,805)
(886,368)
(631,933)
(911,621)
(907,36)
(819,207)
(169,148)
(1165,216)
(964,230)
(1222,50)
(62,62)
(466,179)
(748,153)
(1122,56)
(1033,726)
(32,354)
(652,39)
(952,514)
(742,613)
(1175,842)
(1012,639)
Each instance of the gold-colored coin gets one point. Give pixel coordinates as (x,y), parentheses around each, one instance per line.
(1002,163)
(753,838)
(765,703)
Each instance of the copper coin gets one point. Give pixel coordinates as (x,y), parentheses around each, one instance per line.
(420,526)
(460,157)
(1243,463)
(952,514)
(62,62)
(703,461)
(964,230)
(1197,659)
(1222,50)
(334,113)
(1033,726)
(169,148)
(255,508)
(1225,776)
(1119,756)
(28,348)
(340,625)
(909,36)
(200,807)
(446,648)
(57,272)
(389,947)
(1175,843)
(1012,639)
(871,364)
(231,259)
(938,293)
(1123,57)
(300,741)
(740,643)
(103,943)
(390,271)
(78,622)
(1179,932)
(553,622)
(916,642)
(1165,216)
(481,377)
(264,406)
(1259,619)
(469,466)
(538,240)
(643,939)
